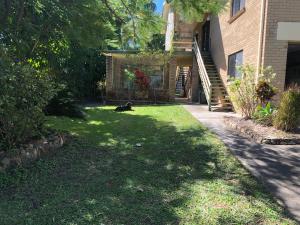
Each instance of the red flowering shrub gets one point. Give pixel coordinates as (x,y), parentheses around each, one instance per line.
(141,80)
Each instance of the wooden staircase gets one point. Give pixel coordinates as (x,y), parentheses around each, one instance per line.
(219,98)
(215,92)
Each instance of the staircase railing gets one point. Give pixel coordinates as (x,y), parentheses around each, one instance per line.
(203,74)
(187,84)
(177,75)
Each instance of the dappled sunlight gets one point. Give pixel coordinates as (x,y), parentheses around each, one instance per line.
(178,173)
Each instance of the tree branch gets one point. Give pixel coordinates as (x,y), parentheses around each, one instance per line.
(132,18)
(112,11)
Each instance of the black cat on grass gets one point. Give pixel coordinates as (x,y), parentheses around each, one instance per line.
(123,108)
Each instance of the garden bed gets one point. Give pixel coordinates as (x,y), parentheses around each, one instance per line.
(31,151)
(262,134)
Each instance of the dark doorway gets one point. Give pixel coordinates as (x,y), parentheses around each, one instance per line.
(293,66)
(197,37)
(206,36)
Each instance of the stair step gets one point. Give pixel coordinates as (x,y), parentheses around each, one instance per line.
(214,85)
(217,101)
(221,109)
(220,96)
(214,103)
(220,105)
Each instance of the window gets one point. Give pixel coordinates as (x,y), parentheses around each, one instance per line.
(236,6)
(234,61)
(155,74)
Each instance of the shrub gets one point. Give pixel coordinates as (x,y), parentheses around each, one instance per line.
(245,91)
(264,91)
(288,116)
(242,92)
(264,114)
(141,80)
(24,93)
(63,104)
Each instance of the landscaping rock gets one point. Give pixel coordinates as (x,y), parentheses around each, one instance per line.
(261,134)
(33,151)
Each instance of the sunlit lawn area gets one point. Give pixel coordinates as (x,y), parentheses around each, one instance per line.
(181,174)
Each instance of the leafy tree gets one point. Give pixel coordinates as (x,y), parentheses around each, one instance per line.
(67,36)
(196,10)
(48,42)
(136,21)
(157,43)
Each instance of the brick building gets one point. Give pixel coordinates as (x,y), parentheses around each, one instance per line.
(205,54)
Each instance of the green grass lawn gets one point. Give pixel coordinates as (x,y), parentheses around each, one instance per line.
(182,174)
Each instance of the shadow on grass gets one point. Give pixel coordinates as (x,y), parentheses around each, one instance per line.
(103,178)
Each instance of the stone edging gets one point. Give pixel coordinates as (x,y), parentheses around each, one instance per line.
(33,151)
(250,133)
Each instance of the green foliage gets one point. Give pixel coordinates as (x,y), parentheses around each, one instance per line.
(157,43)
(129,78)
(264,114)
(288,116)
(64,39)
(265,91)
(139,22)
(182,174)
(23,95)
(82,71)
(242,91)
(196,10)
(245,91)
(63,104)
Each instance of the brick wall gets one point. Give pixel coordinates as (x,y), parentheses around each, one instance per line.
(228,37)
(109,74)
(195,81)
(172,78)
(115,89)
(275,51)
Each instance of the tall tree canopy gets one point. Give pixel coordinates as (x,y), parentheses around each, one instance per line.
(38,27)
(195,10)
(65,37)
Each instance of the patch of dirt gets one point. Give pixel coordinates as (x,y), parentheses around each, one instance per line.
(262,134)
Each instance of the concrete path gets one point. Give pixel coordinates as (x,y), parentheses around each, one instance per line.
(277,166)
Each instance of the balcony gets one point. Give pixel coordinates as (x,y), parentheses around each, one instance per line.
(183,42)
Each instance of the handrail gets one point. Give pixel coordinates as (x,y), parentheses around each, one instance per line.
(177,76)
(203,74)
(187,84)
